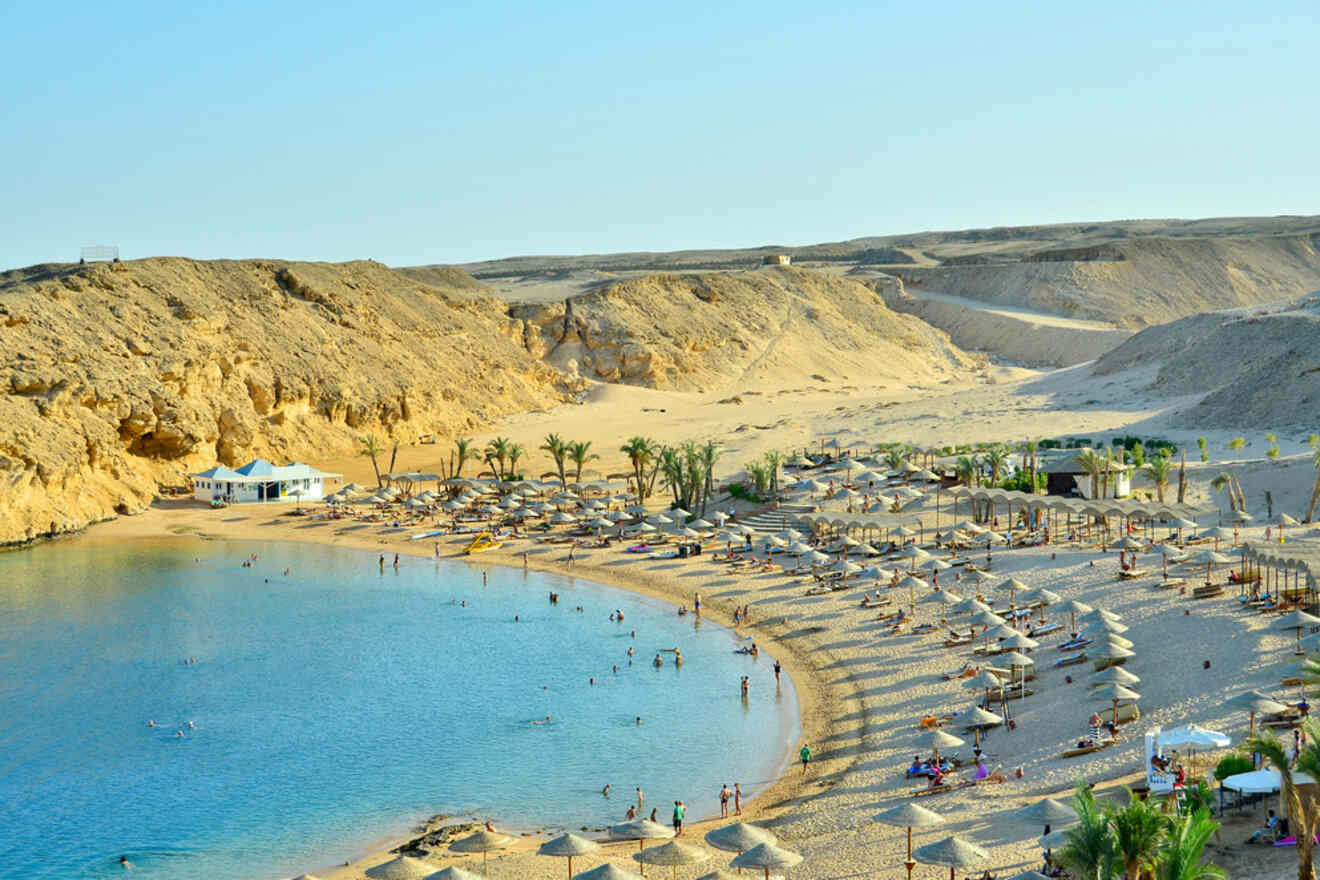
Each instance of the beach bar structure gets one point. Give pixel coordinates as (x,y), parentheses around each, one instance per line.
(1065,476)
(259,481)
(1286,572)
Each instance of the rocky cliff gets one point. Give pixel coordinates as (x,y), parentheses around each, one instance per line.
(121,377)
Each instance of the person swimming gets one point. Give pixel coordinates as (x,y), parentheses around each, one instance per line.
(658,661)
(546,721)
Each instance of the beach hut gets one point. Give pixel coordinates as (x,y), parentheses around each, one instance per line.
(259,482)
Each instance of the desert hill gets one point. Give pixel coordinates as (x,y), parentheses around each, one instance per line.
(710,331)
(1258,367)
(991,288)
(125,377)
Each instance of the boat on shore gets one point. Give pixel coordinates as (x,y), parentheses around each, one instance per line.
(482,542)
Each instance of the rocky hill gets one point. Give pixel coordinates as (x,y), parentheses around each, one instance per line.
(705,331)
(122,377)
(1259,367)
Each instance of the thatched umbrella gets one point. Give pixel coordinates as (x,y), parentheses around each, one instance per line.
(951,851)
(1254,702)
(913,584)
(1017,661)
(986,680)
(944,597)
(1074,608)
(1116,692)
(1297,620)
(1014,586)
(400,868)
(673,854)
(1018,642)
(1042,597)
(971,606)
(640,830)
(1113,675)
(720,874)
(482,842)
(978,719)
(766,856)
(1047,812)
(608,871)
(739,838)
(568,846)
(453,873)
(910,816)
(939,739)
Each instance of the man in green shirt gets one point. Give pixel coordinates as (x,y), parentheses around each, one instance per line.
(806,758)
(679,810)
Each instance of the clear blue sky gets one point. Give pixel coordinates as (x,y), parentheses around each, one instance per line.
(415,133)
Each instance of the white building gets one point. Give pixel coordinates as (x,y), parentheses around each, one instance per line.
(261,481)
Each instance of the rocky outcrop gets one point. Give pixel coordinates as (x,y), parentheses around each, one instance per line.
(120,378)
(704,331)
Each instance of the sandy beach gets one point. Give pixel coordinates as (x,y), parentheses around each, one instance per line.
(864,692)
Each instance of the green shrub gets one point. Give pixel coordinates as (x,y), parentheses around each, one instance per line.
(738,490)
(1231,765)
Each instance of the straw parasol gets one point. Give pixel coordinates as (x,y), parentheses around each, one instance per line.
(1017,661)
(1106,640)
(939,739)
(1104,624)
(910,816)
(953,852)
(1297,620)
(1254,702)
(1042,597)
(1014,586)
(1029,875)
(640,830)
(970,606)
(1114,675)
(766,856)
(672,854)
(720,874)
(400,868)
(453,873)
(608,871)
(986,680)
(1018,642)
(482,842)
(977,719)
(1074,608)
(1047,812)
(1116,692)
(568,845)
(739,837)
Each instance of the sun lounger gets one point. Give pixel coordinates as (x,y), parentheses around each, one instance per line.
(1087,750)
(941,789)
(1073,644)
(1043,630)
(1071,660)
(1169,583)
(1105,662)
(968,671)
(930,722)
(957,641)
(924,628)
(1208,591)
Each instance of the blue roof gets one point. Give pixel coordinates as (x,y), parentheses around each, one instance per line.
(257,467)
(219,472)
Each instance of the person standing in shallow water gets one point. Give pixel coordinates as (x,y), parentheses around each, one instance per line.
(678,818)
(724,801)
(737,799)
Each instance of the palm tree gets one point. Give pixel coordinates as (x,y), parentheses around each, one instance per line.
(1303,809)
(495,454)
(1028,449)
(1200,444)
(1182,475)
(1091,464)
(558,450)
(639,451)
(894,458)
(579,452)
(1139,828)
(1158,469)
(1237,443)
(773,464)
(1179,856)
(462,452)
(371,447)
(996,456)
(1091,851)
(515,453)
(965,469)
(1224,483)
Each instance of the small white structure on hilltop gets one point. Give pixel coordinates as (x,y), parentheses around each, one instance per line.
(259,481)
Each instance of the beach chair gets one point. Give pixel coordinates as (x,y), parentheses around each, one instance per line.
(1044,630)
(1207,591)
(1087,750)
(1071,660)
(968,671)
(1132,574)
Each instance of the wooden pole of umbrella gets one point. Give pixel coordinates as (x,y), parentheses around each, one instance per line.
(909,864)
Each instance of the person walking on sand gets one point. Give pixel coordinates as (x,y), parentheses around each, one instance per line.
(737,799)
(805,755)
(678,818)
(778,668)
(724,801)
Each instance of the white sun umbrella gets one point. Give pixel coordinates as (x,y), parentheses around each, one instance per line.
(864,550)
(952,852)
(701,524)
(970,527)
(452,506)
(568,846)
(986,681)
(1194,735)
(1054,839)
(846,567)
(1100,614)
(776,541)
(869,476)
(909,492)
(561,517)
(813,557)
(400,868)
(988,538)
(910,816)
(602,523)
(912,551)
(1127,543)
(719,516)
(673,854)
(686,532)
(647,527)
(637,510)
(660,519)
(1042,597)
(845,541)
(482,842)
(766,856)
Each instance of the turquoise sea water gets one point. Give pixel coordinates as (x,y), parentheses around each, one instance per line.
(337,705)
